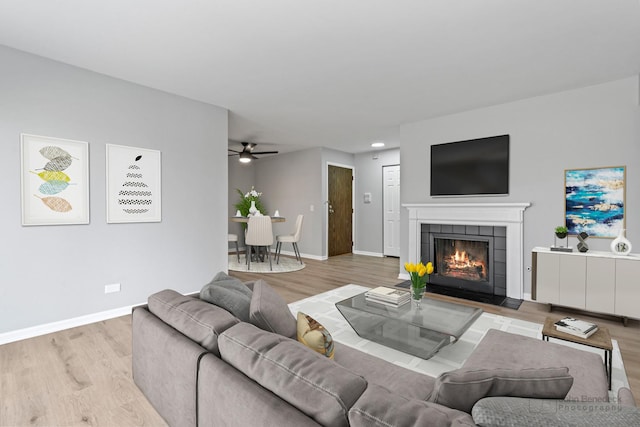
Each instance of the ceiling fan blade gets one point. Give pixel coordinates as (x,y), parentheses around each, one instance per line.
(238,152)
(264,152)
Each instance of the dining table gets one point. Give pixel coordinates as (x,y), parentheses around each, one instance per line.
(246,219)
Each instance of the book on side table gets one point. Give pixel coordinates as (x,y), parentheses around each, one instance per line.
(388,296)
(579,328)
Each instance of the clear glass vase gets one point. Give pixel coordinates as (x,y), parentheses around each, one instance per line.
(417,292)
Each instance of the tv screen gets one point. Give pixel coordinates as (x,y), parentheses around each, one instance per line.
(473,167)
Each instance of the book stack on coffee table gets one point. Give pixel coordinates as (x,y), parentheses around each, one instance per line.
(579,328)
(388,296)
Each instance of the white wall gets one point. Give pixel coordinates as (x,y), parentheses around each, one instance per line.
(369,227)
(583,128)
(54,273)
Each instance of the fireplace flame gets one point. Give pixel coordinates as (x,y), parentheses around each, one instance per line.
(461,257)
(459,264)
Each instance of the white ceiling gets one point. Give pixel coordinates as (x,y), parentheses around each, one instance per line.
(336,73)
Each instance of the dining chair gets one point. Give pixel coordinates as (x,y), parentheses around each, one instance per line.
(259,235)
(234,238)
(293,238)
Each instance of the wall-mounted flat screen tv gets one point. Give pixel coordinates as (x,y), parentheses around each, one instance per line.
(473,167)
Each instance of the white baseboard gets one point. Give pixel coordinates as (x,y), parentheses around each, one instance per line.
(375,254)
(48,328)
(314,257)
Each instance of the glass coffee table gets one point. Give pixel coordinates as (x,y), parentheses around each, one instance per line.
(420,331)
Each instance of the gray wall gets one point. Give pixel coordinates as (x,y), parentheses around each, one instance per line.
(589,127)
(290,183)
(53,273)
(369,216)
(241,176)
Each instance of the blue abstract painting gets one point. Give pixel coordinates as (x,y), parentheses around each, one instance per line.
(595,201)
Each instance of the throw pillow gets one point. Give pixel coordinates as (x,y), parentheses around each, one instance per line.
(462,388)
(229,293)
(270,312)
(380,407)
(224,280)
(314,335)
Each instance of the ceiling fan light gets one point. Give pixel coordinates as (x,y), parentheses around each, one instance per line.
(245,157)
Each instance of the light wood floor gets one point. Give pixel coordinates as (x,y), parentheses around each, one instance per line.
(82,376)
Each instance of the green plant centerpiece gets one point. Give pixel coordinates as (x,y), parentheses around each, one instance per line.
(419,274)
(249,199)
(561,231)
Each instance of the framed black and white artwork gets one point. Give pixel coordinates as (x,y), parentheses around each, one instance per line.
(134,184)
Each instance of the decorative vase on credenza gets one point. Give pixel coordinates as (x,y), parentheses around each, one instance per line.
(621,245)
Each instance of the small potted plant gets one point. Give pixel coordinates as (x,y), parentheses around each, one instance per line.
(561,231)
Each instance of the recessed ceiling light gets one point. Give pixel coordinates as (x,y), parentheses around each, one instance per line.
(377,144)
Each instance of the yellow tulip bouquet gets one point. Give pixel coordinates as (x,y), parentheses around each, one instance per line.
(419,274)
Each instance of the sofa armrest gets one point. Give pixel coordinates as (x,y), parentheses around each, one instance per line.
(165,368)
(625,397)
(522,412)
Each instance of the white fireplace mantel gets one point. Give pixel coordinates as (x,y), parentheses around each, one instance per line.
(509,215)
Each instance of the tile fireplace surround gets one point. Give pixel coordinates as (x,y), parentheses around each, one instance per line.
(509,215)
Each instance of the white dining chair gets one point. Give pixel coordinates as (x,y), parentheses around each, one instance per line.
(259,235)
(293,238)
(234,238)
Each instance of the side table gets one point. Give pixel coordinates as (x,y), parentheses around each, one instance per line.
(601,339)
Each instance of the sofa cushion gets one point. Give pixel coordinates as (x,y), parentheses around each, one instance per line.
(513,411)
(229,293)
(462,388)
(198,320)
(315,385)
(499,349)
(270,312)
(395,378)
(312,334)
(379,406)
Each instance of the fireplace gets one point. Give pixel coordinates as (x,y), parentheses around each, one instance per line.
(508,250)
(466,257)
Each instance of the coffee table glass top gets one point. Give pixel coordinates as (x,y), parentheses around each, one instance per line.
(418,331)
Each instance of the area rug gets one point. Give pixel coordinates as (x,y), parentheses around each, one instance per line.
(322,308)
(284,266)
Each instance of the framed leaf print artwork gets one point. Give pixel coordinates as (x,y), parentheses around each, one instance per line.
(595,200)
(54,180)
(134,192)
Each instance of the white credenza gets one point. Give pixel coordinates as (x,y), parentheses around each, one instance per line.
(593,281)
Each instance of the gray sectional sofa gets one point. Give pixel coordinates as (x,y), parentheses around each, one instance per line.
(200,365)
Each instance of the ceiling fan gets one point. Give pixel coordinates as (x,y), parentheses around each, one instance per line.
(247,154)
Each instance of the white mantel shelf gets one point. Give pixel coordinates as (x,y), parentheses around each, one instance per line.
(509,215)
